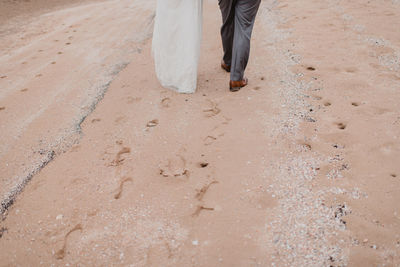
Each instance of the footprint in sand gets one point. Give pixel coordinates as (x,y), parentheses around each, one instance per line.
(3,77)
(152,123)
(60,53)
(227,120)
(202,164)
(162,249)
(310,68)
(174,167)
(76,25)
(216,132)
(39,75)
(53,62)
(337,146)
(96,120)
(305,146)
(118,161)
(341,125)
(131,99)
(393,175)
(120,119)
(75,148)
(351,70)
(199,209)
(121,187)
(327,103)
(201,192)
(2,108)
(2,231)
(61,253)
(24,90)
(165,102)
(92,213)
(355,104)
(213,110)
(209,140)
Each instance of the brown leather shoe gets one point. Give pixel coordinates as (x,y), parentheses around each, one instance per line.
(235,86)
(225,67)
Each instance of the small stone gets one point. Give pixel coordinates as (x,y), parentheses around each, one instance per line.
(195,242)
(59,217)
(365,240)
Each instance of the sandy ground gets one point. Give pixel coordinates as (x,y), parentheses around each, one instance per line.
(54,71)
(300,168)
(15,10)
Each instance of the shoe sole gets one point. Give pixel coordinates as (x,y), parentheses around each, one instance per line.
(235,89)
(227,70)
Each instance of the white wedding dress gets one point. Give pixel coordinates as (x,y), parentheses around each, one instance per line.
(176,43)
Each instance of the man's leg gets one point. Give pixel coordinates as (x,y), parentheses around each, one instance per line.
(227,30)
(245,14)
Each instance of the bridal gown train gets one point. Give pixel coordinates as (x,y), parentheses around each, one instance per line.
(176,43)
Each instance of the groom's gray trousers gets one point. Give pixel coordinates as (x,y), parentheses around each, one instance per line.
(238,18)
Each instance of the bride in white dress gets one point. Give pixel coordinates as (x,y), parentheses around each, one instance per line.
(176,43)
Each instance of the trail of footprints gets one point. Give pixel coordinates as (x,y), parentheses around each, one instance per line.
(118,162)
(217,132)
(41,51)
(326,103)
(176,166)
(340,124)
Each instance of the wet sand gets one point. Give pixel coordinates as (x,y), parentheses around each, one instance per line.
(297,169)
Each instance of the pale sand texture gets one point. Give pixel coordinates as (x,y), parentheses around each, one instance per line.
(15,10)
(264,177)
(354,92)
(54,71)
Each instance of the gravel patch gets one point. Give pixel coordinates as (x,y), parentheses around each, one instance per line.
(303,230)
